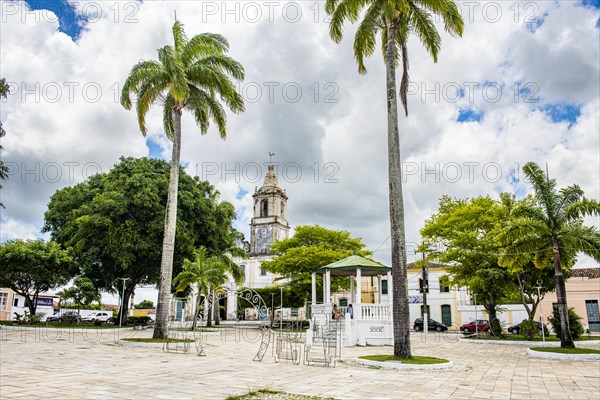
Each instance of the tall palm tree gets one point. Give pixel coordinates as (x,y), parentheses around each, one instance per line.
(553,231)
(394,20)
(191,75)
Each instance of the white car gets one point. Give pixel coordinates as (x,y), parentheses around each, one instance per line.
(102,316)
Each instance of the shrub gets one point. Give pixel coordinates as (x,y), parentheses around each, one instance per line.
(574,325)
(528,329)
(143,320)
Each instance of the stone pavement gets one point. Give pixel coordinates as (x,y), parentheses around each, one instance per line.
(75,365)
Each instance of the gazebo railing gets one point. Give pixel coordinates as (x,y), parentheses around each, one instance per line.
(375,311)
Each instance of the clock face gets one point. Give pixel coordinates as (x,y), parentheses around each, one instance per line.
(264,238)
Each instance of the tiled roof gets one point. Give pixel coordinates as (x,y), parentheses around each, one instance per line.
(590,273)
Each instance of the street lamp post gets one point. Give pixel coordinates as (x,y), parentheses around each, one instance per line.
(538,287)
(272,309)
(122,301)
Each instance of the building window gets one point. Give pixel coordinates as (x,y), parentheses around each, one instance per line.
(16,302)
(421,286)
(428,313)
(263,272)
(282,209)
(344,302)
(264,208)
(243,268)
(3,300)
(593,315)
(384,287)
(443,287)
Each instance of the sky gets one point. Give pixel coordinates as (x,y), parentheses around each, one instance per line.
(521,85)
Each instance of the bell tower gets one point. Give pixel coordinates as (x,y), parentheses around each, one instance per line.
(269,222)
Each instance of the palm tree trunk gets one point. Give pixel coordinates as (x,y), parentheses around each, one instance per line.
(196,308)
(566,340)
(166,265)
(400,290)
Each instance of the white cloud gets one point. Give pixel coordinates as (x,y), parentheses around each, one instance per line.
(560,60)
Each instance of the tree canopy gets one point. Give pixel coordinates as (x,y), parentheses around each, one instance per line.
(82,293)
(463,235)
(114,222)
(31,267)
(312,247)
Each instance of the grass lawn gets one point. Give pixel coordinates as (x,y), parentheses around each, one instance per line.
(560,350)
(412,360)
(157,340)
(552,338)
(258,394)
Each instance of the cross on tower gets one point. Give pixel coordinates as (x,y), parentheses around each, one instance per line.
(271,158)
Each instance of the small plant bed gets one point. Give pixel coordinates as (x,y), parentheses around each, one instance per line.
(522,338)
(157,340)
(559,353)
(258,394)
(561,350)
(415,362)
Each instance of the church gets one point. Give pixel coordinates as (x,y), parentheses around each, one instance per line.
(268,224)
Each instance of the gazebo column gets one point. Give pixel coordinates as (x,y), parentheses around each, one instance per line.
(328,275)
(379,289)
(314,288)
(358,286)
(352,293)
(324,289)
(390,287)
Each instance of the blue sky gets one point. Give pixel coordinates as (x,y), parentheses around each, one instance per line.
(70,22)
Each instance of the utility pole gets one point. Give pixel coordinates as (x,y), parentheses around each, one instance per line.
(272,309)
(538,287)
(122,301)
(425,288)
(281,310)
(476,324)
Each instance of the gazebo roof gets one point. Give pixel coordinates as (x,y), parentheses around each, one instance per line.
(349,265)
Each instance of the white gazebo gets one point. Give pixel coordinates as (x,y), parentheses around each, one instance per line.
(371,322)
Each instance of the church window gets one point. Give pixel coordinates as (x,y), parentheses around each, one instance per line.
(282,209)
(264,208)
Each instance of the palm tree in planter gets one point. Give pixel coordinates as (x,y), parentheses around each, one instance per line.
(394,21)
(552,230)
(190,75)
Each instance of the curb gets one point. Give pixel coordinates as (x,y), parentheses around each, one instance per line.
(559,356)
(398,365)
(65,329)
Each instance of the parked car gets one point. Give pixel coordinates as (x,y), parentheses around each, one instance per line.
(479,325)
(432,325)
(102,316)
(67,316)
(517,328)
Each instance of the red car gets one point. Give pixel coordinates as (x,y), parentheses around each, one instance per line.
(480,325)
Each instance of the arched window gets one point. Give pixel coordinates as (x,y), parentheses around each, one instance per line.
(282,209)
(264,208)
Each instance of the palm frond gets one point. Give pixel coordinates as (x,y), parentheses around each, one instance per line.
(203,45)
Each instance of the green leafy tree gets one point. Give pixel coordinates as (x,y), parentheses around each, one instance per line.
(145,304)
(114,222)
(191,75)
(312,247)
(394,22)
(463,235)
(3,168)
(31,267)
(552,230)
(82,293)
(207,272)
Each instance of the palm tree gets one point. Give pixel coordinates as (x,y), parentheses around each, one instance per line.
(207,273)
(552,230)
(191,75)
(394,21)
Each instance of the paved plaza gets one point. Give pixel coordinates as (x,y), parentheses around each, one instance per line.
(75,365)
